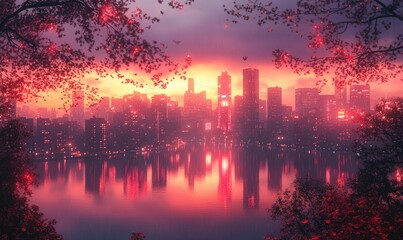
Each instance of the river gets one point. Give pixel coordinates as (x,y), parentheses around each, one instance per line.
(196,192)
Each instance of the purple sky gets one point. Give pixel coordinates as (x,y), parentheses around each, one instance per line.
(215,44)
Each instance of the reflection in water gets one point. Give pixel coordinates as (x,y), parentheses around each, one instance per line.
(249,170)
(159,172)
(224,170)
(134,179)
(206,191)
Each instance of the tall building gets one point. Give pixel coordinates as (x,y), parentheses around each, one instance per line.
(191,85)
(306,101)
(137,102)
(262,111)
(237,115)
(77,109)
(102,109)
(274,103)
(174,119)
(274,107)
(43,135)
(129,122)
(360,98)
(307,108)
(159,116)
(327,108)
(340,97)
(224,103)
(96,135)
(250,102)
(196,110)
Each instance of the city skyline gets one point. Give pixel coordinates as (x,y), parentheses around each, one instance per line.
(227,47)
(176,89)
(136,122)
(190,86)
(183,119)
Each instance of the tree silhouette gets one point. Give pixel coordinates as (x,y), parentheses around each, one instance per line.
(371,208)
(52,44)
(19,219)
(359,41)
(380,149)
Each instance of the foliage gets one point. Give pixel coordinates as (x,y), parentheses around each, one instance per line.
(19,219)
(380,148)
(372,207)
(356,40)
(52,44)
(382,132)
(315,210)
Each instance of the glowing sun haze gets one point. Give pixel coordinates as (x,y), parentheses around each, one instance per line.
(215,44)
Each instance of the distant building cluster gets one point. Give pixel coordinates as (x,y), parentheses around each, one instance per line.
(135,122)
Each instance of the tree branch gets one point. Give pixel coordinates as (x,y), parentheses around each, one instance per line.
(364,22)
(19,36)
(26,6)
(380,51)
(388,9)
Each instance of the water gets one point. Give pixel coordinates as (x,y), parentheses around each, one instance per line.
(198,192)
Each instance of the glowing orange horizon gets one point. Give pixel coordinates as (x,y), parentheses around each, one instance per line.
(205,76)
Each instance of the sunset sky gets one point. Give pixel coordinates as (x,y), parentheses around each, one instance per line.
(215,44)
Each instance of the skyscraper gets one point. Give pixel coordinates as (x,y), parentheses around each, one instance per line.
(327,108)
(262,111)
(43,135)
(96,135)
(307,109)
(159,109)
(77,109)
(274,103)
(340,97)
(274,109)
(360,98)
(237,115)
(224,103)
(196,109)
(250,101)
(102,110)
(306,101)
(191,85)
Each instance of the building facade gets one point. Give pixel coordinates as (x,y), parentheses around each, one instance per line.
(360,98)
(250,101)
(224,102)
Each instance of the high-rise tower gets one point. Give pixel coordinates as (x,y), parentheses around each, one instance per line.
(224,103)
(360,98)
(274,103)
(250,101)
(340,97)
(191,85)
(306,101)
(96,135)
(274,109)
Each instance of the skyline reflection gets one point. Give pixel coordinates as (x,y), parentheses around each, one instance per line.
(200,183)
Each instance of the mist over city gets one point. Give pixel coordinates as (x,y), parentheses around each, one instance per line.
(191,119)
(136,122)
